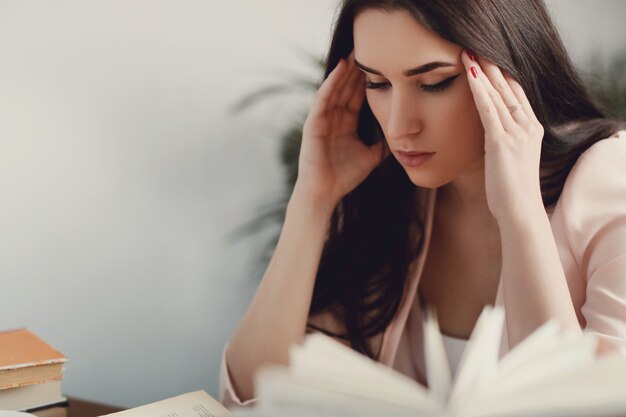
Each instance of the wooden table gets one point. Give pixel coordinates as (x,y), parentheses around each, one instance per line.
(78,408)
(83,408)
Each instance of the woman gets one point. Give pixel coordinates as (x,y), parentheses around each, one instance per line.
(453,159)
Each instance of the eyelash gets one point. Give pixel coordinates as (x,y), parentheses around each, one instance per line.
(427,88)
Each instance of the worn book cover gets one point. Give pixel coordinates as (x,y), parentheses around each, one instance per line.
(26,359)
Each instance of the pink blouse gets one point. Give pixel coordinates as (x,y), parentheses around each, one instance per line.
(589,227)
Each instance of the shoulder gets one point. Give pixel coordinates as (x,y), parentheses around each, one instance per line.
(592,206)
(599,172)
(603,161)
(592,217)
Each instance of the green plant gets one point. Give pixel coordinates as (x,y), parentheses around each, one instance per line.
(607,83)
(274,213)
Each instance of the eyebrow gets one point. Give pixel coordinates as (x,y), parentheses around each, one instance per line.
(410,72)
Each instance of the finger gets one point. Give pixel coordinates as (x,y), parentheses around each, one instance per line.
(358,94)
(501,85)
(520,96)
(347,87)
(507,122)
(324,95)
(338,91)
(506,119)
(484,104)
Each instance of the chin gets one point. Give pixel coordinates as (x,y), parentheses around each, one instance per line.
(426,180)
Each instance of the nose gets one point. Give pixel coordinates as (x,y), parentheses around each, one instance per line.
(404,116)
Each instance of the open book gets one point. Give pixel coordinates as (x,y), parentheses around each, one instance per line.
(548,374)
(192,404)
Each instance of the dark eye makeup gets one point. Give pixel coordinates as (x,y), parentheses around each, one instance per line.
(427,88)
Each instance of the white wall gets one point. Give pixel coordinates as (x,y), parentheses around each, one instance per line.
(122,173)
(591,29)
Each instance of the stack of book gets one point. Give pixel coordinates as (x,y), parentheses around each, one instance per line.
(30,372)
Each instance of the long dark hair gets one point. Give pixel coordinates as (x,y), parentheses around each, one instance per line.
(377,230)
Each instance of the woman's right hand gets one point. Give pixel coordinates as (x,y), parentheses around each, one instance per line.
(333,160)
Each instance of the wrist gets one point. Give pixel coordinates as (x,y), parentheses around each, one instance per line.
(318,206)
(523,217)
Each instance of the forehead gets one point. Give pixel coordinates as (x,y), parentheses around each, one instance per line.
(396,38)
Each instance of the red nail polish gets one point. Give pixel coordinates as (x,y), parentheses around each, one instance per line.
(474,72)
(471,56)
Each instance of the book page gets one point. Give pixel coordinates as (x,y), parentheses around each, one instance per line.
(571,353)
(282,393)
(321,356)
(479,362)
(438,371)
(329,378)
(193,404)
(544,339)
(549,374)
(595,390)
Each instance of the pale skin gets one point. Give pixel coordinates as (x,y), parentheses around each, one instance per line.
(489,218)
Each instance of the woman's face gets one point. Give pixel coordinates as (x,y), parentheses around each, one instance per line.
(432,111)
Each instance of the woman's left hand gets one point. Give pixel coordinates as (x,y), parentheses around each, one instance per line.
(513,137)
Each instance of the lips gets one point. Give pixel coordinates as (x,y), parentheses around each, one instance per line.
(413,158)
(413,153)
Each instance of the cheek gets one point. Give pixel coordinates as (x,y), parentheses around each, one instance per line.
(457,110)
(469,113)
(378,106)
(461,123)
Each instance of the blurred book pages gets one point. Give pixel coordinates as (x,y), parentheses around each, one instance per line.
(193,404)
(550,373)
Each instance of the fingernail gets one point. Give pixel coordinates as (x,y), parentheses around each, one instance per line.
(471,56)
(474,72)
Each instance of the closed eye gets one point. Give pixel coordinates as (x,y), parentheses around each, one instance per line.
(427,88)
(433,88)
